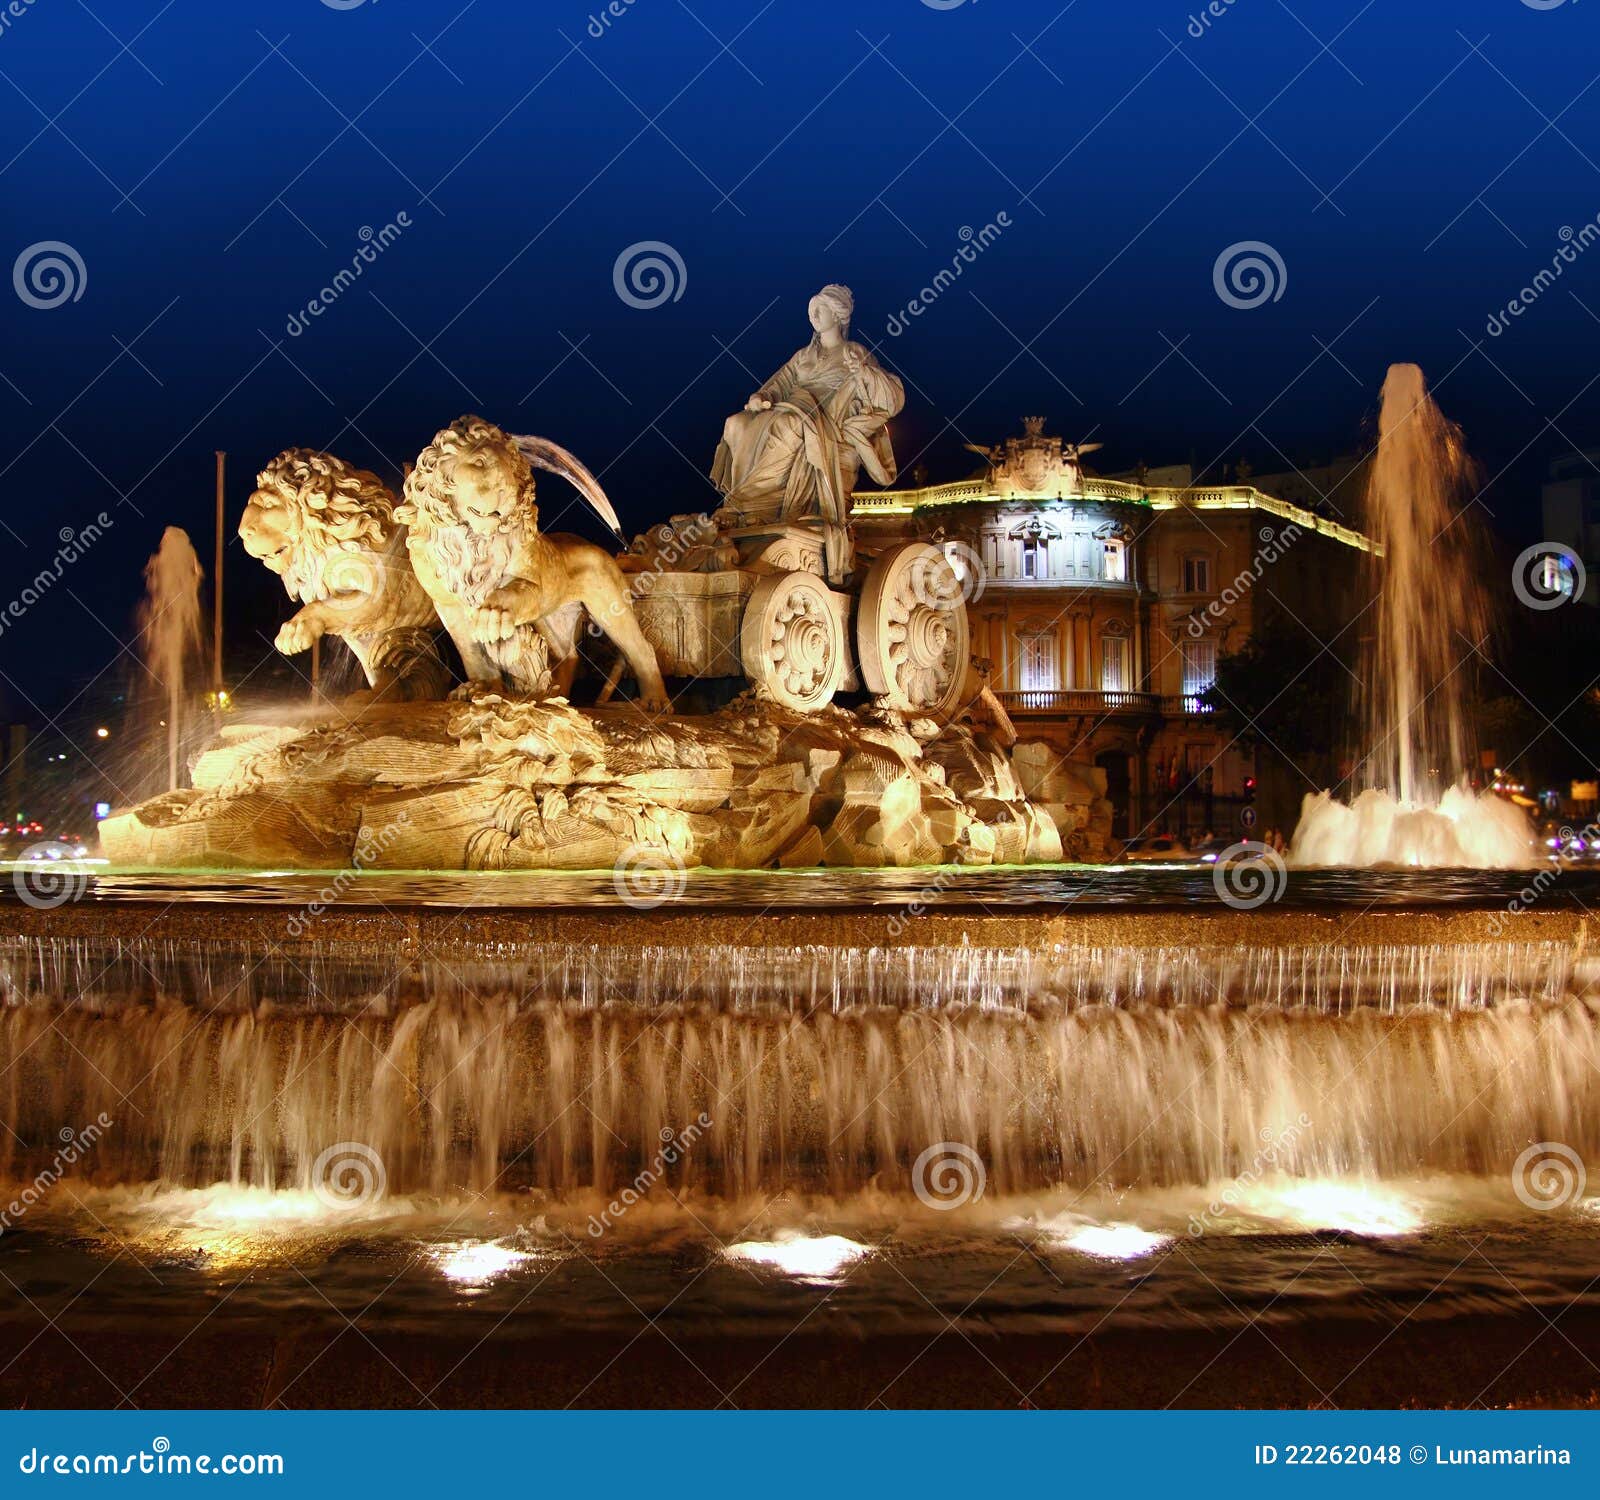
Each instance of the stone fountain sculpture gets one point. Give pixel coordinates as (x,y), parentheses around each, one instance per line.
(329,531)
(795,450)
(506,772)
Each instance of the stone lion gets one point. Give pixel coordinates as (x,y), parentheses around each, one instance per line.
(329,531)
(512,598)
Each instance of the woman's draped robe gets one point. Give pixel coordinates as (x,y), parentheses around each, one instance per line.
(798,460)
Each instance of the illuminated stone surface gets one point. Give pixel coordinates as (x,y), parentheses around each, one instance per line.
(493,782)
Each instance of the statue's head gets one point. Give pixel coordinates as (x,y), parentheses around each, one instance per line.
(831,308)
(472,475)
(307,505)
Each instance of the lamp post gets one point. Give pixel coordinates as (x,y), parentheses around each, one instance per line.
(216,606)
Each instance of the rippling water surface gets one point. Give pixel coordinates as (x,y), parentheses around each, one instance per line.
(1281,1249)
(1054,886)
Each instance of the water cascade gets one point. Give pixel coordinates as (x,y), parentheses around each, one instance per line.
(537,1068)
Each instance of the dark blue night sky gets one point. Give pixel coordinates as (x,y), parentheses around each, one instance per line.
(214,166)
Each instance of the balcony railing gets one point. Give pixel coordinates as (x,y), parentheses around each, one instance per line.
(1077,701)
(1081,701)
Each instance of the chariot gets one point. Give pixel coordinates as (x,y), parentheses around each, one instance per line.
(755,602)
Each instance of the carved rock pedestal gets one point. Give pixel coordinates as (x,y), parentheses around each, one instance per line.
(496,783)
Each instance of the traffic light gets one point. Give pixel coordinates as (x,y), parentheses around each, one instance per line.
(1249,789)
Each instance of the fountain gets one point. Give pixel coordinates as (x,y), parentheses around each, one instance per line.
(169,630)
(508,772)
(242,1089)
(1412,806)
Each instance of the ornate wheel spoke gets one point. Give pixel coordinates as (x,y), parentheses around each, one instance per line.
(911,630)
(791,641)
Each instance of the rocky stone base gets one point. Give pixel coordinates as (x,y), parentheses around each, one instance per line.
(486,782)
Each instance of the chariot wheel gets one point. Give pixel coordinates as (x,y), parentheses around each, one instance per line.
(912,635)
(791,641)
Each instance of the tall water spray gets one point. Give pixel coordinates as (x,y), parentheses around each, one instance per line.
(169,628)
(1430,610)
(1431,615)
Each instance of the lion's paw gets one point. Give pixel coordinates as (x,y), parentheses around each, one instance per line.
(295,636)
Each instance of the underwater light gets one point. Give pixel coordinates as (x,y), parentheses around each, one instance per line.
(1350,1206)
(475,1263)
(1113,1241)
(807,1257)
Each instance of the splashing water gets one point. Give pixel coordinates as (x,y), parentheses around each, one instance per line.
(1431,617)
(169,627)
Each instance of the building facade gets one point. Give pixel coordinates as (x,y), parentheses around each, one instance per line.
(1571,505)
(1102,606)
